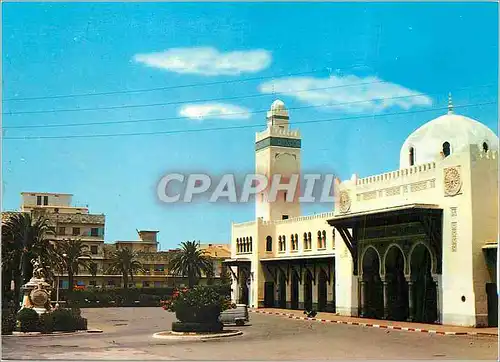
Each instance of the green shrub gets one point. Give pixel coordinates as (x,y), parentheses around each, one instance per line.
(47,322)
(201,304)
(197,327)
(29,320)
(64,320)
(8,320)
(115,297)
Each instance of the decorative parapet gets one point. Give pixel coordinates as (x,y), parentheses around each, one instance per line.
(299,218)
(275,131)
(395,175)
(244,224)
(488,155)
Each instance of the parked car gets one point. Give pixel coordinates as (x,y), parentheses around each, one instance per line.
(238,315)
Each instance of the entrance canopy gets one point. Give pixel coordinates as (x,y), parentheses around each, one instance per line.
(398,224)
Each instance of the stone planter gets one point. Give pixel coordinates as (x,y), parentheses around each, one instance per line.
(196,319)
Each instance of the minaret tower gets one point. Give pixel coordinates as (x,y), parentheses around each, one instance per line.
(277,151)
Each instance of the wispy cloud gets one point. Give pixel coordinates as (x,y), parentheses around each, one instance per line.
(207,61)
(348,93)
(214,111)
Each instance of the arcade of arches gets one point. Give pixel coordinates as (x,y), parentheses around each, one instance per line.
(397,259)
(305,284)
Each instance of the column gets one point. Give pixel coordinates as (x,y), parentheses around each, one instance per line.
(315,292)
(288,287)
(386,298)
(411,307)
(362,293)
(437,279)
(301,294)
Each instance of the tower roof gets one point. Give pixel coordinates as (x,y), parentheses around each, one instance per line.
(278,105)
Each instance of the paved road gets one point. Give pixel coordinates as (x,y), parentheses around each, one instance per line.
(128,335)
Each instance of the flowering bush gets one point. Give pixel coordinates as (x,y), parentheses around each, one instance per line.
(199,304)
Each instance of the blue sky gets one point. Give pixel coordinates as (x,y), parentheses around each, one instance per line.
(60,49)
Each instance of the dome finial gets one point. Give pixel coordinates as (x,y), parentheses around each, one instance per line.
(450,104)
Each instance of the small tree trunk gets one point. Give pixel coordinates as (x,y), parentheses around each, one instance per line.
(70,280)
(125,281)
(191,280)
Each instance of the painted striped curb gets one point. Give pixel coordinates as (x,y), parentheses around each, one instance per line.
(381,326)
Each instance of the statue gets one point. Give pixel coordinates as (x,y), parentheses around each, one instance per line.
(38,272)
(36,293)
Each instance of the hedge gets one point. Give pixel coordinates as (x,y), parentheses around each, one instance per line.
(149,297)
(197,327)
(8,320)
(59,320)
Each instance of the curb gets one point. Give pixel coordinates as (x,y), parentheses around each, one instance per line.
(408,329)
(187,337)
(53,334)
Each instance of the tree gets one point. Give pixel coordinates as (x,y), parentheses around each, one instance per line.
(71,256)
(24,238)
(124,261)
(190,261)
(225,277)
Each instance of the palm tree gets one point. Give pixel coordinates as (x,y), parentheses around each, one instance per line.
(72,255)
(190,261)
(124,261)
(24,238)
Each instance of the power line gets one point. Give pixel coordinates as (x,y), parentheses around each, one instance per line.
(241,126)
(183,102)
(230,114)
(163,88)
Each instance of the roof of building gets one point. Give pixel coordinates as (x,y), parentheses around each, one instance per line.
(45,193)
(459,131)
(278,105)
(217,250)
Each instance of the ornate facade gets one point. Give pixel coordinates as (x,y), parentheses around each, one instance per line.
(418,243)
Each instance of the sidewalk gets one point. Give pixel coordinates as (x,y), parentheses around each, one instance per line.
(377,323)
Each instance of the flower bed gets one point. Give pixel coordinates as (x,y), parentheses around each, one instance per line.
(197,309)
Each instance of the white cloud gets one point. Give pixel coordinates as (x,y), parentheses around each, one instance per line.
(207,61)
(214,110)
(348,93)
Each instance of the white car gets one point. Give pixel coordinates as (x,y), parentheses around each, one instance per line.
(238,315)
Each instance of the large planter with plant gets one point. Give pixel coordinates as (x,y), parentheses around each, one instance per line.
(197,309)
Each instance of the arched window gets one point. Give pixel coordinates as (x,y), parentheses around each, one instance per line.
(284,242)
(485,147)
(305,241)
(250,244)
(309,242)
(446,149)
(280,245)
(319,240)
(237,245)
(412,156)
(269,243)
(323,239)
(296,242)
(292,242)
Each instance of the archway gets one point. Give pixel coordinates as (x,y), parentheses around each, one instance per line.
(308,295)
(424,293)
(322,291)
(373,303)
(397,288)
(294,291)
(242,283)
(282,290)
